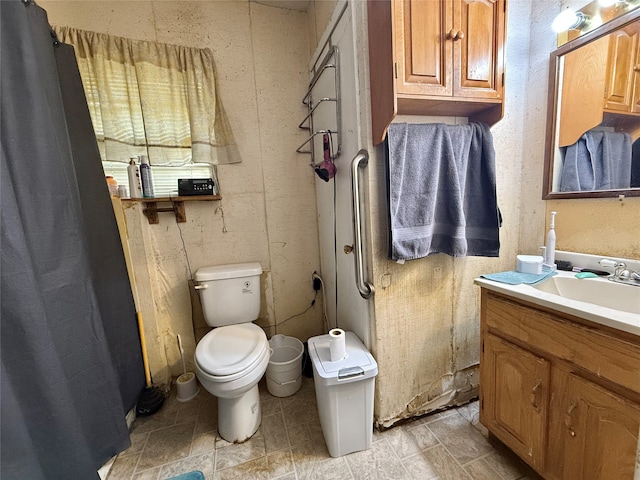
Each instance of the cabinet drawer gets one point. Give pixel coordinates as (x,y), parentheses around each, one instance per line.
(556,335)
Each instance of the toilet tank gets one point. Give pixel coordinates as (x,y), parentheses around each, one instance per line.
(229,294)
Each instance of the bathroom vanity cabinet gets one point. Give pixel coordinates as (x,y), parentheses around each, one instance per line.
(561,392)
(436,58)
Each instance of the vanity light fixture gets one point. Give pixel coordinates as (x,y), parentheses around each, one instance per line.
(617,3)
(570,20)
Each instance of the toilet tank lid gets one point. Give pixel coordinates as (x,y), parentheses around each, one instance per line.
(221,272)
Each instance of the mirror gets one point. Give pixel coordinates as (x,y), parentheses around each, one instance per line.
(593,117)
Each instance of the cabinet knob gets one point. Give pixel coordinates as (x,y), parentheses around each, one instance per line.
(455,35)
(636,68)
(568,420)
(534,394)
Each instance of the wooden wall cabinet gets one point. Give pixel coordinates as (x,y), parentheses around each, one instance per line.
(562,393)
(581,99)
(436,57)
(623,65)
(610,64)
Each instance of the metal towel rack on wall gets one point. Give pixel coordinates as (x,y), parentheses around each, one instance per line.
(307,123)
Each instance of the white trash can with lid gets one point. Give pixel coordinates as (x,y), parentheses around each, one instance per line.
(344,390)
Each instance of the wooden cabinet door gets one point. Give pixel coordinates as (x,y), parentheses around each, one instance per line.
(583,81)
(423,50)
(478,48)
(449,47)
(635,108)
(623,53)
(514,388)
(634,29)
(601,433)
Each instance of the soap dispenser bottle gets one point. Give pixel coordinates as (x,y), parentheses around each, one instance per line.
(133,172)
(550,258)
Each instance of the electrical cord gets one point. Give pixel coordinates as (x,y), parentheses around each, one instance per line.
(220,210)
(335,255)
(315,296)
(325,318)
(184,246)
(186,256)
(313,302)
(184,249)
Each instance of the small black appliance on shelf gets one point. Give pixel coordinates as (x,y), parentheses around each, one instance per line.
(196,186)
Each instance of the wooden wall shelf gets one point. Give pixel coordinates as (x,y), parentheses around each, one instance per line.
(151,208)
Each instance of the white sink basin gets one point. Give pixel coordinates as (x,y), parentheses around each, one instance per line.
(597,291)
(594,299)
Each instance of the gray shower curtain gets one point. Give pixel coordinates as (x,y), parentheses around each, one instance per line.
(71,362)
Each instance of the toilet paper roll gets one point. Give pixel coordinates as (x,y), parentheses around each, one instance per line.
(337,347)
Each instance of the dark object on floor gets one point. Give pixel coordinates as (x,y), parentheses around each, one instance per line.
(307,367)
(150,401)
(195,475)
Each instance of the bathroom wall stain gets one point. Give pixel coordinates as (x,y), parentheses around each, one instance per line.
(261,55)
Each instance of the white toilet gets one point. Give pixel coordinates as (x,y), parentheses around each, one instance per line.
(232,358)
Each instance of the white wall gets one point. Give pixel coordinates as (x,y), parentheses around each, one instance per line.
(261,55)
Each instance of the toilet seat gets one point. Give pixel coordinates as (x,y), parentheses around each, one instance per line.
(230,352)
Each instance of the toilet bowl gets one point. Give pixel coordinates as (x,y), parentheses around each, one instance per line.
(231,359)
(233,378)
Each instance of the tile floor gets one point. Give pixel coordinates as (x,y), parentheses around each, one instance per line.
(289,445)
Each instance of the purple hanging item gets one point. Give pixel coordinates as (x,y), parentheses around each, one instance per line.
(327,169)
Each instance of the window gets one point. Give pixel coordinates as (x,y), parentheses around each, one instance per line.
(153,99)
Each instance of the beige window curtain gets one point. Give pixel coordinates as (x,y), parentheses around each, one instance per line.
(152,99)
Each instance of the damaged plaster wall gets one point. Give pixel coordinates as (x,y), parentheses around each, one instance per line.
(261,54)
(427,312)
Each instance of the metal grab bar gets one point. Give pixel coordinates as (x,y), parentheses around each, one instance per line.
(365,288)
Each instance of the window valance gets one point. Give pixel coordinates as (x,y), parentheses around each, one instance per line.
(152,99)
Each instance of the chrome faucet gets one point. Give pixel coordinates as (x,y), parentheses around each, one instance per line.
(621,273)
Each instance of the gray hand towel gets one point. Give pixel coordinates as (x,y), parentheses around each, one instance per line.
(611,157)
(599,160)
(442,191)
(577,170)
